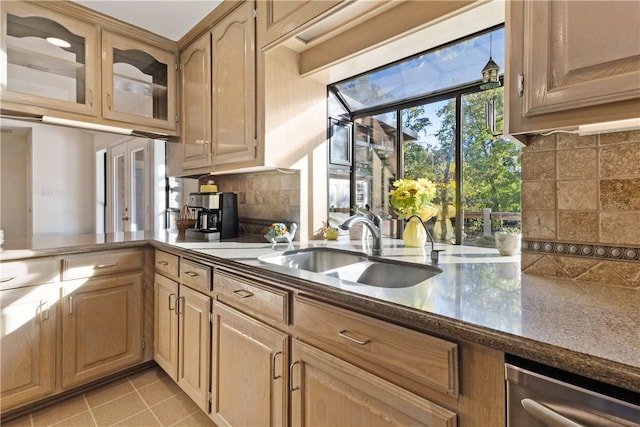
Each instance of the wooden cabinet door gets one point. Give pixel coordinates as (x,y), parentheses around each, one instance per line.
(234,87)
(194,345)
(571,63)
(195,83)
(138,82)
(327,391)
(38,76)
(27,353)
(280,19)
(165,330)
(101,327)
(249,371)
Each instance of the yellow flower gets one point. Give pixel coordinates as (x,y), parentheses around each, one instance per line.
(410,197)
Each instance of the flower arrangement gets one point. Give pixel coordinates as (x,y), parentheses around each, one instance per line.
(413,197)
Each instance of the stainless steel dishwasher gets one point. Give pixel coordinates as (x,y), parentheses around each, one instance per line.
(548,397)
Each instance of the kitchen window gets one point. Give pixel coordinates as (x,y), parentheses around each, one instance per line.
(427,117)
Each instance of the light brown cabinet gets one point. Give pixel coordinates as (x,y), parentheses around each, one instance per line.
(182,325)
(194,344)
(40,74)
(138,82)
(165,331)
(102,322)
(377,371)
(233,83)
(64,61)
(250,358)
(280,357)
(280,20)
(326,390)
(567,64)
(28,318)
(218,100)
(69,321)
(195,84)
(249,371)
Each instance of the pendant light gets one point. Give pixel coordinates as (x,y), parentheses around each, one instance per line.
(490,77)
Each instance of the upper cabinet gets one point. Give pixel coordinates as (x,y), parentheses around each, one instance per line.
(65,61)
(51,60)
(571,63)
(195,85)
(279,19)
(234,87)
(218,103)
(138,82)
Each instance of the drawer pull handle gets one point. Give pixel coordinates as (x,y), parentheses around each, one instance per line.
(343,334)
(7,279)
(191,273)
(101,266)
(291,387)
(242,293)
(44,310)
(178,312)
(273,366)
(171,295)
(70,302)
(163,263)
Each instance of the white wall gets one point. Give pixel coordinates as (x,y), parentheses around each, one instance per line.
(14,182)
(62,180)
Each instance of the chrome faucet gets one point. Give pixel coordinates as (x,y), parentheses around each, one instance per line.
(435,253)
(375,226)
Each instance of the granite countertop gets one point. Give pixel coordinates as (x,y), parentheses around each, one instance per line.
(480,296)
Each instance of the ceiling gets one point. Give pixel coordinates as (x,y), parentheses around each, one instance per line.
(169,18)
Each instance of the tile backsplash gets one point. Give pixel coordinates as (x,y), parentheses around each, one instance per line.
(264,198)
(581,207)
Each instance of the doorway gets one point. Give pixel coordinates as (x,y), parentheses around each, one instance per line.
(129,187)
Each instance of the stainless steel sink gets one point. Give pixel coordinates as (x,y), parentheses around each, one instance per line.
(316,259)
(354,267)
(389,275)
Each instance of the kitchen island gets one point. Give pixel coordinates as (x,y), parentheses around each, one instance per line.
(480,297)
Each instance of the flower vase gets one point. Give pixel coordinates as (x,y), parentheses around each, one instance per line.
(414,234)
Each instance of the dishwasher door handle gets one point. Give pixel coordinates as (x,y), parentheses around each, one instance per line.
(547,416)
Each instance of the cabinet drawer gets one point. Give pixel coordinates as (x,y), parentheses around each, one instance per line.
(167,264)
(101,263)
(14,274)
(269,302)
(195,275)
(411,354)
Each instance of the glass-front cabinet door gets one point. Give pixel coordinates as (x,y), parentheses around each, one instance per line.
(138,82)
(51,61)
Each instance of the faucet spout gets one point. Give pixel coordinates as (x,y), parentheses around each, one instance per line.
(434,253)
(375,226)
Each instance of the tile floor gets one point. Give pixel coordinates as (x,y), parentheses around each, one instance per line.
(145,399)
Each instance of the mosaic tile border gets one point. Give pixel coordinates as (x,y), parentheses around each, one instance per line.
(618,253)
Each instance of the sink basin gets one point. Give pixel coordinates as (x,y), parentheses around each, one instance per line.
(388,275)
(354,267)
(316,260)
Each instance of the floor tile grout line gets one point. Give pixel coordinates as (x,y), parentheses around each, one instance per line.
(184,418)
(53,408)
(86,401)
(144,401)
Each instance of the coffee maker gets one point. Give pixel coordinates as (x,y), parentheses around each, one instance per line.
(216,214)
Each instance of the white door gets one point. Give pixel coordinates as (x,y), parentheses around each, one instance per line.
(130,183)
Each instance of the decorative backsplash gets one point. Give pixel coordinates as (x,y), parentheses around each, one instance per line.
(264,198)
(581,207)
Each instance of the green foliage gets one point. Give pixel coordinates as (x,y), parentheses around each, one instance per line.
(491,163)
